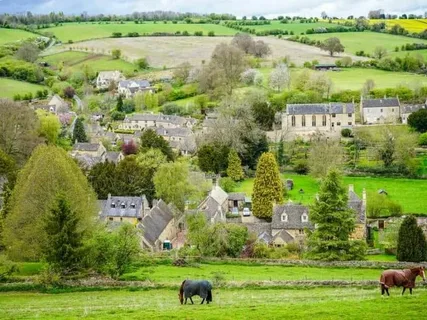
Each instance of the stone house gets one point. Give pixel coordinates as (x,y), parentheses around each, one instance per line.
(181,140)
(105,78)
(359,206)
(148,120)
(215,205)
(238,200)
(124,209)
(96,150)
(379,111)
(307,119)
(128,88)
(406,111)
(58,105)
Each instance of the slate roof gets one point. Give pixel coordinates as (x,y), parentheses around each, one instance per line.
(210,207)
(265,237)
(129,207)
(294,212)
(85,146)
(412,108)
(380,103)
(320,108)
(86,160)
(112,156)
(188,144)
(156,221)
(173,132)
(285,236)
(157,117)
(109,75)
(239,196)
(134,84)
(355,203)
(218,194)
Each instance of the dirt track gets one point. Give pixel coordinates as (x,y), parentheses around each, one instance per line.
(171,51)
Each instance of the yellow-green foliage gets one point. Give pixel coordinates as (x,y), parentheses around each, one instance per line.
(49,171)
(267,186)
(234,170)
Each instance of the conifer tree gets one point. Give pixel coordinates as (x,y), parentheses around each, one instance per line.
(411,243)
(268,187)
(79,133)
(119,106)
(64,241)
(234,170)
(335,222)
(280,154)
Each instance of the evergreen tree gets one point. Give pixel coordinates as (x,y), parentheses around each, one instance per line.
(234,170)
(280,154)
(213,157)
(119,106)
(79,133)
(411,242)
(268,187)
(64,240)
(150,139)
(334,223)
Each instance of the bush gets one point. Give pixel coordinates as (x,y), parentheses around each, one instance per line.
(422,141)
(7,267)
(301,167)
(227,184)
(49,278)
(211,34)
(346,133)
(198,33)
(118,116)
(142,63)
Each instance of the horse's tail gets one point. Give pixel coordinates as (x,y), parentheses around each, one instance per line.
(209,298)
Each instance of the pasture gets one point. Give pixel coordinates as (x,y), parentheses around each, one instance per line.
(13,35)
(86,31)
(75,60)
(412,25)
(407,192)
(10,87)
(367,41)
(295,26)
(315,303)
(172,51)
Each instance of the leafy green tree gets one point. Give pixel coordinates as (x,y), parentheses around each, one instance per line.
(119,106)
(50,127)
(28,52)
(142,63)
(332,45)
(268,188)
(102,176)
(126,249)
(48,172)
(334,223)
(418,120)
(79,133)
(280,156)
(63,250)
(150,139)
(324,155)
(213,158)
(411,242)
(234,169)
(116,53)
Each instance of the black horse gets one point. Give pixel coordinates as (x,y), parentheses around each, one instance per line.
(191,288)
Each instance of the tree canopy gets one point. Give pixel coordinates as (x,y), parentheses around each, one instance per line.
(234,169)
(418,120)
(332,45)
(411,242)
(150,139)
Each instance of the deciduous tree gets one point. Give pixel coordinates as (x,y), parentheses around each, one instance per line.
(268,188)
(150,139)
(50,127)
(332,45)
(28,52)
(280,77)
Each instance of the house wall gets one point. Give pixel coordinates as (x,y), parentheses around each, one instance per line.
(123,219)
(405,118)
(169,233)
(293,232)
(359,232)
(381,115)
(141,124)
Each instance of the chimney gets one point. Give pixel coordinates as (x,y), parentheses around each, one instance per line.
(351,188)
(109,196)
(364,196)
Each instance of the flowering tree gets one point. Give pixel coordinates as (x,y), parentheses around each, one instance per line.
(280,77)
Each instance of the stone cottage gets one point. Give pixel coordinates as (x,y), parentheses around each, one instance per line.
(379,111)
(408,109)
(124,209)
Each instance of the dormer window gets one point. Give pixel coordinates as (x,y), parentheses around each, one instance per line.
(284,217)
(133,206)
(113,205)
(304,217)
(123,206)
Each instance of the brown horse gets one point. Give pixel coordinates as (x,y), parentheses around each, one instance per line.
(400,278)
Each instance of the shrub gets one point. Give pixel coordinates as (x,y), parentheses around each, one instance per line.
(7,267)
(118,116)
(346,133)
(301,167)
(211,34)
(198,33)
(423,139)
(227,184)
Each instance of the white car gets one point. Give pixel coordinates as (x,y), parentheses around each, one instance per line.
(246,212)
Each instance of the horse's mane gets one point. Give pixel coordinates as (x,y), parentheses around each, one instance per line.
(181,290)
(416,269)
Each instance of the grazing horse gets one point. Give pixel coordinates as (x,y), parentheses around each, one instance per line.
(191,288)
(400,278)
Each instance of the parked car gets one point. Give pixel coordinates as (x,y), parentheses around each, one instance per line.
(246,212)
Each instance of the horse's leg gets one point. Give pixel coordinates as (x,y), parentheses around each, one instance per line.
(203,300)
(388,293)
(191,300)
(403,290)
(410,290)
(382,289)
(185,300)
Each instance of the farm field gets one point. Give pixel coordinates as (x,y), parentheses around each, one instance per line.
(172,51)
(367,41)
(422,53)
(407,192)
(412,25)
(10,87)
(317,303)
(75,60)
(12,35)
(296,27)
(86,31)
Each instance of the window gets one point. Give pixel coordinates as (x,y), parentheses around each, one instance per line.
(293,121)
(113,205)
(284,217)
(324,120)
(381,110)
(123,205)
(301,231)
(313,120)
(350,115)
(111,218)
(121,219)
(338,123)
(349,124)
(333,124)
(392,109)
(133,206)
(304,217)
(139,219)
(334,115)
(303,121)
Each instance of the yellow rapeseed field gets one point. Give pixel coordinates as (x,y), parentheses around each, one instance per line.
(412,25)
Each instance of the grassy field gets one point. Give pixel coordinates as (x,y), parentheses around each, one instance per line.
(10,87)
(318,303)
(85,31)
(408,192)
(367,41)
(76,60)
(412,25)
(296,27)
(12,35)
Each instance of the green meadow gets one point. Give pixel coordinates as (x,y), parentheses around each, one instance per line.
(10,87)
(13,35)
(367,41)
(293,26)
(245,303)
(86,31)
(410,193)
